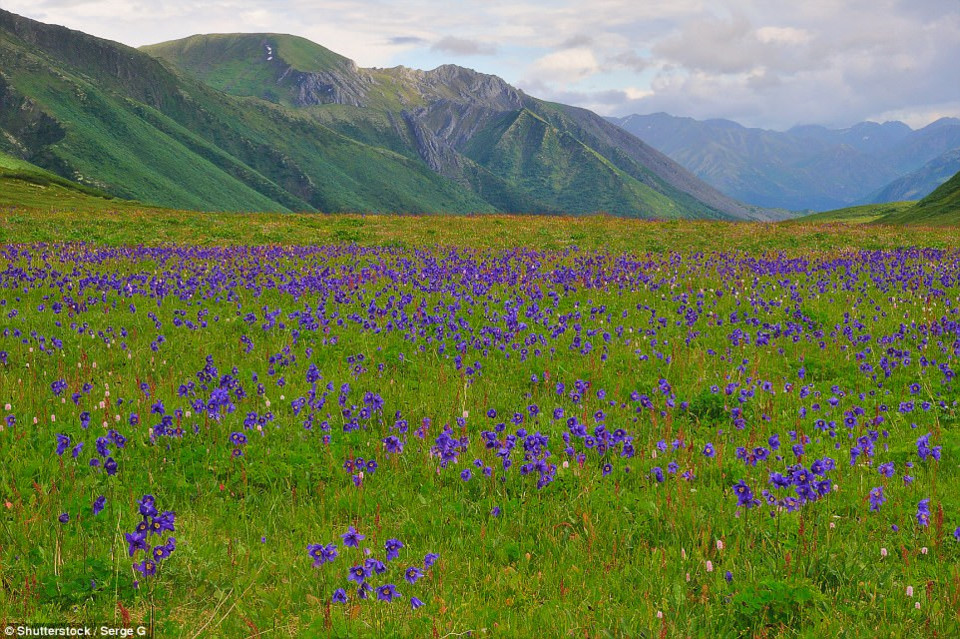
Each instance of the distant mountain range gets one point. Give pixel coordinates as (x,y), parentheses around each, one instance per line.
(807,167)
(277,123)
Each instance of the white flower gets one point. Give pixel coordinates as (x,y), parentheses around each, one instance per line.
(909,591)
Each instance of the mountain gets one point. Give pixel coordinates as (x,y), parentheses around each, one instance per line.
(940,208)
(24,184)
(805,168)
(277,123)
(922,182)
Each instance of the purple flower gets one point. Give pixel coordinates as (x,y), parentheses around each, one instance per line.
(745,495)
(64,518)
(429,559)
(63,443)
(358,574)
(339,596)
(147,506)
(924,450)
(415,603)
(137,541)
(923,512)
(321,554)
(876,498)
(98,505)
(392,547)
(352,538)
(412,574)
(387,592)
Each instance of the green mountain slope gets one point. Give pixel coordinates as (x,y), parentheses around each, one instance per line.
(470,127)
(923,181)
(24,185)
(115,118)
(940,208)
(277,123)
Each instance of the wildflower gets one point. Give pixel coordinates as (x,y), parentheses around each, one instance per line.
(147,506)
(352,538)
(876,498)
(136,541)
(387,592)
(415,603)
(64,518)
(429,559)
(923,512)
(321,554)
(374,565)
(339,596)
(98,504)
(745,495)
(413,574)
(392,547)
(63,443)
(924,450)
(358,574)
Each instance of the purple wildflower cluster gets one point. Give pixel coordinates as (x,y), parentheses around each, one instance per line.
(152,524)
(365,573)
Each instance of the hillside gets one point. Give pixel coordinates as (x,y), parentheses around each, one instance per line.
(940,208)
(24,185)
(277,123)
(805,168)
(922,182)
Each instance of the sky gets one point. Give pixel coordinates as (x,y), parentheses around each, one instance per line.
(762,63)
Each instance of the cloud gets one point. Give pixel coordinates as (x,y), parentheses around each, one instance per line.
(761,63)
(407,40)
(565,66)
(463,46)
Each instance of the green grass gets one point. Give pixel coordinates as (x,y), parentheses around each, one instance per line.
(589,555)
(863,214)
(120,223)
(940,208)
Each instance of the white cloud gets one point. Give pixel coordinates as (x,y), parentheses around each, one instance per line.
(565,66)
(759,62)
(785,35)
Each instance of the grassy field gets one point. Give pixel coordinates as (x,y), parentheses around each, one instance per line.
(602,428)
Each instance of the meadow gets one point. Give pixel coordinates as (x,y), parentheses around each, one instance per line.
(273,425)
